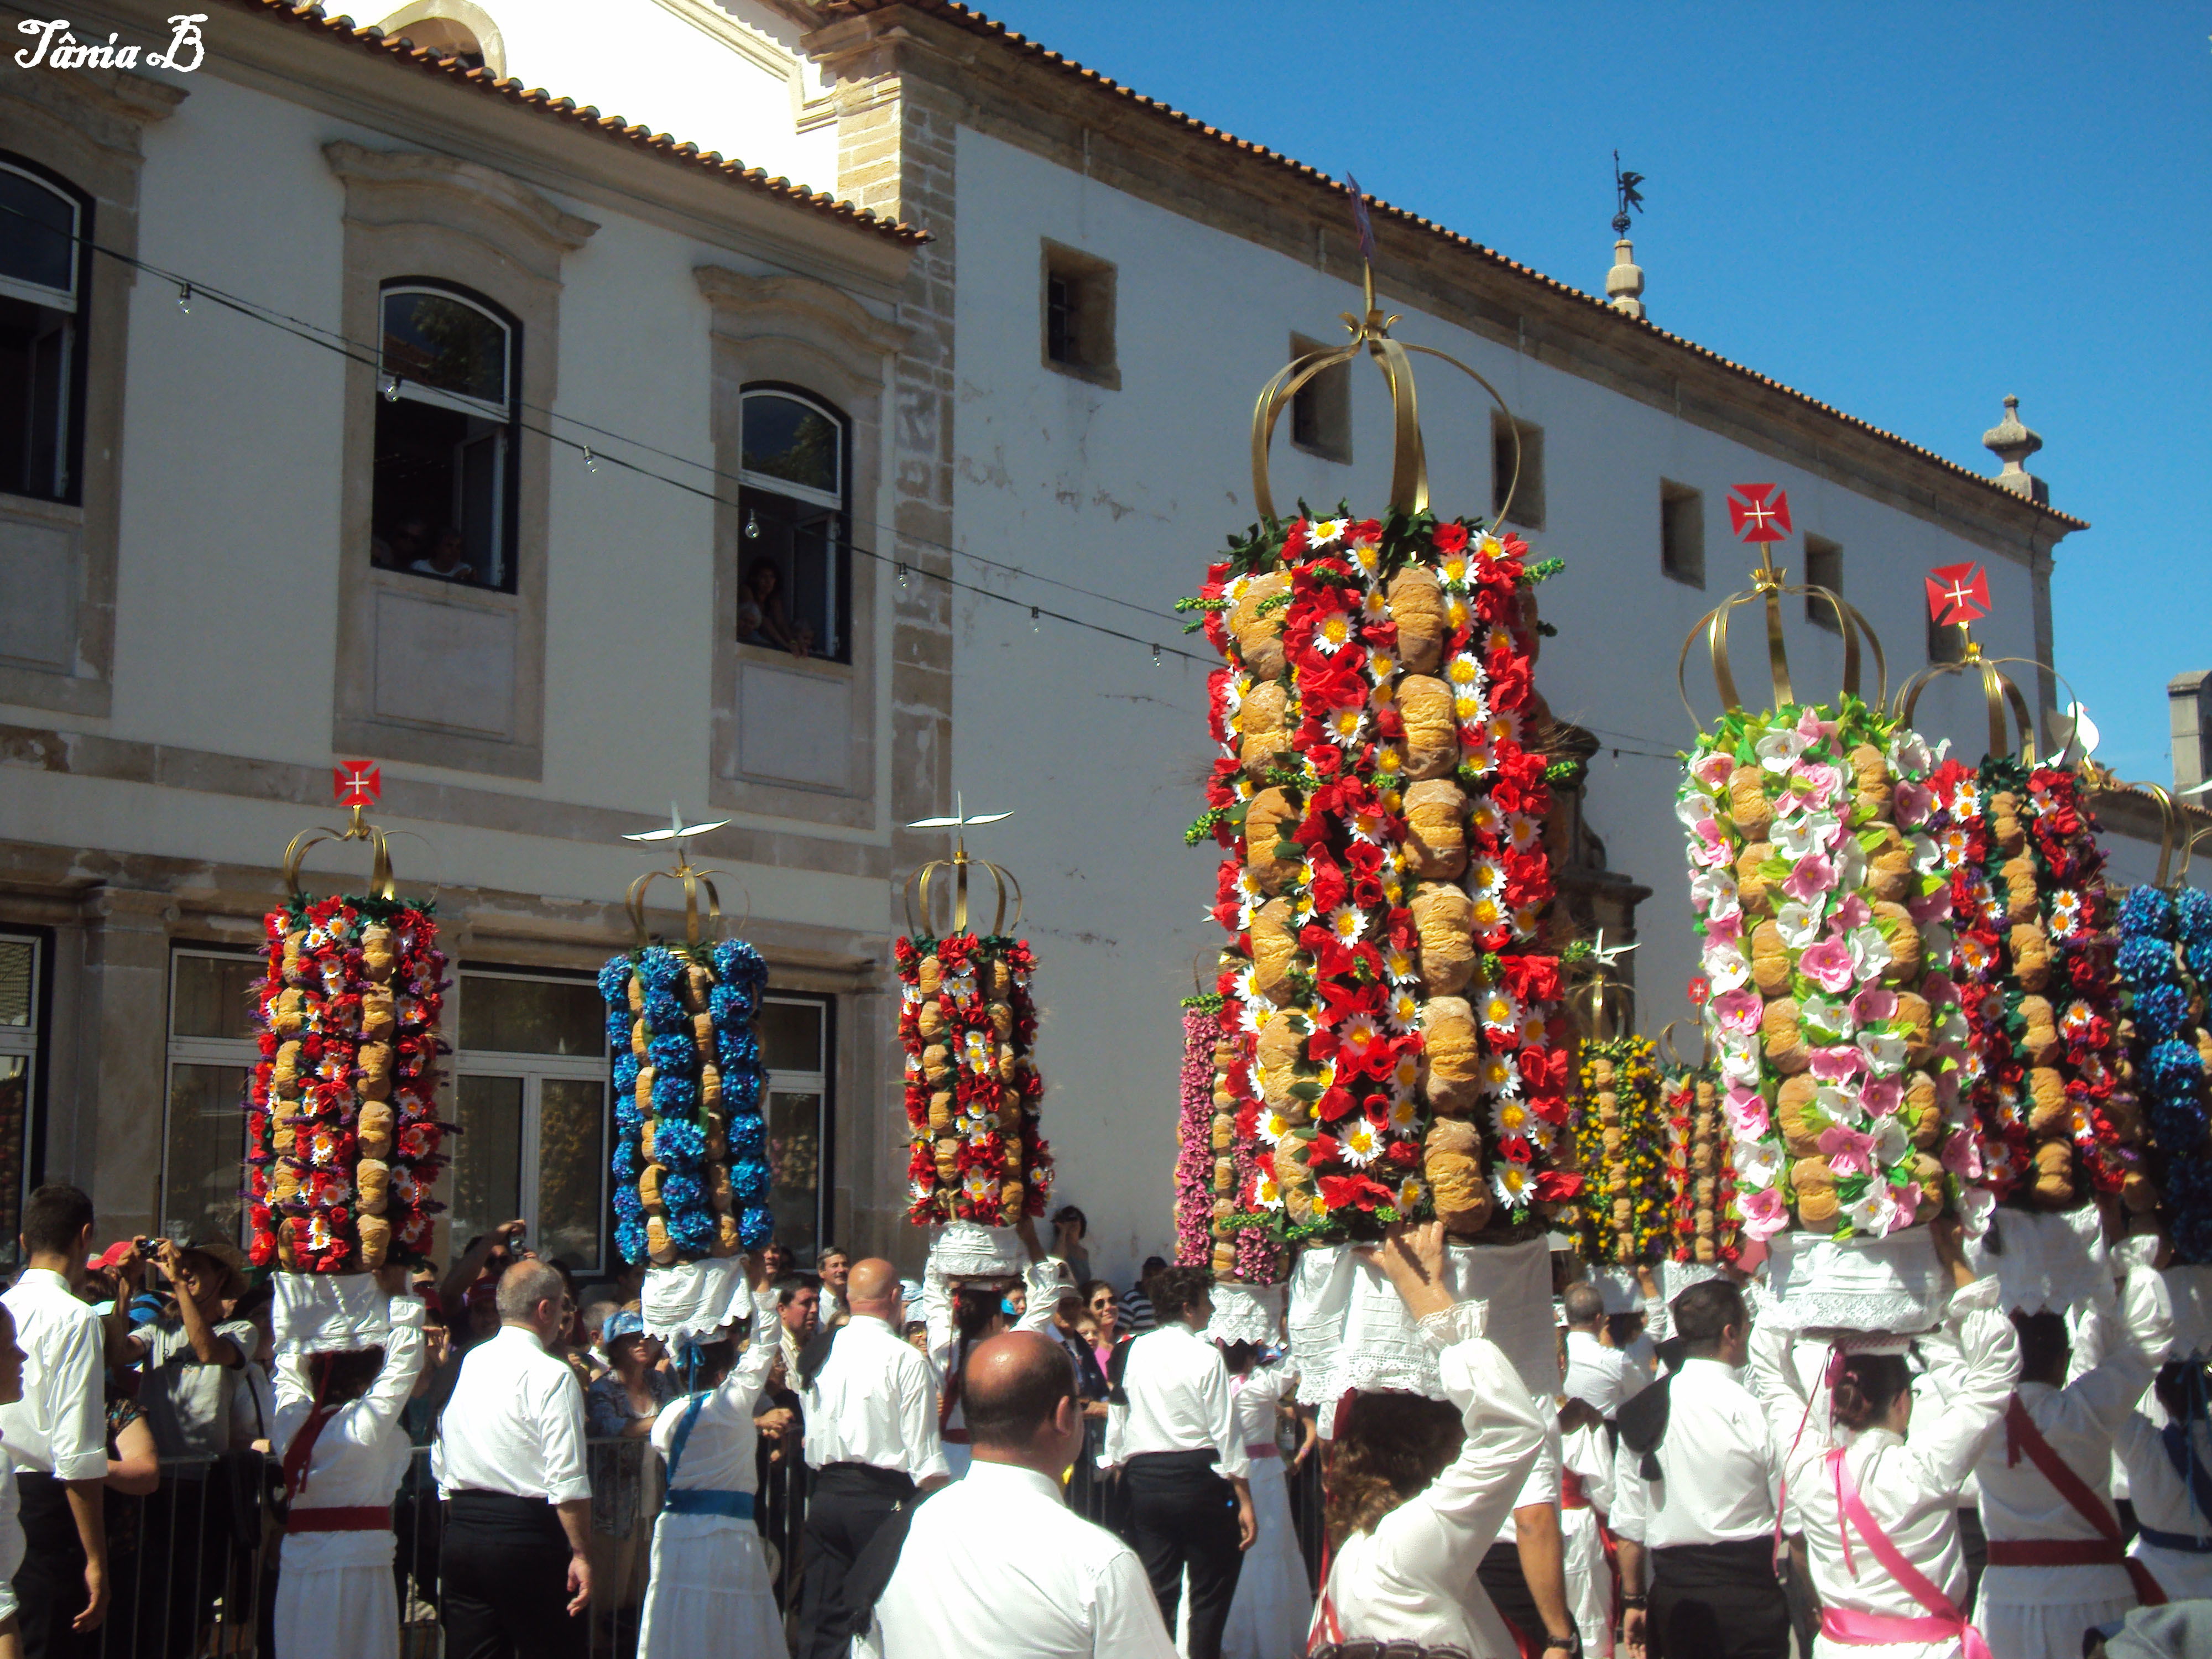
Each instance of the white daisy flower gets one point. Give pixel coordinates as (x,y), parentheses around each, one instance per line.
(1333,633)
(1323,533)
(1362,1145)
(1410,1192)
(1400,964)
(1381,664)
(1497,1074)
(1406,1077)
(1525,830)
(1347,922)
(1345,726)
(1510,1116)
(1264,1193)
(1489,911)
(1273,1124)
(1498,1008)
(1405,1010)
(1367,556)
(1484,818)
(1371,825)
(1485,876)
(1510,1181)
(1405,1115)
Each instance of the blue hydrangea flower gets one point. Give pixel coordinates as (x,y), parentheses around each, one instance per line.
(741,1092)
(664,1014)
(626,1115)
(748,1138)
(2192,911)
(738,963)
(2146,960)
(2147,913)
(755,1227)
(628,1206)
(629,1239)
(674,1097)
(613,985)
(625,1073)
(678,1145)
(2173,1068)
(693,1231)
(749,1181)
(673,1053)
(2160,1010)
(626,1164)
(680,1192)
(618,1023)
(660,967)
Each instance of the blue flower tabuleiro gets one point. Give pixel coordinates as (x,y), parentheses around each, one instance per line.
(691,1179)
(2166,962)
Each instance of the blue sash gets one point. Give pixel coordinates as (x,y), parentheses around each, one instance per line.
(699,1500)
(2195,1480)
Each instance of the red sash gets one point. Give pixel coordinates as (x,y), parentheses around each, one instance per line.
(368,1519)
(2110,1550)
(1574,1496)
(1943,1623)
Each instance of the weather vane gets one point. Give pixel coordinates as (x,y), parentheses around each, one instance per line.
(1626,194)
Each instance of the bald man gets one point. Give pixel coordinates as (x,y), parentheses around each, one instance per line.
(871,1441)
(997,1563)
(516,1565)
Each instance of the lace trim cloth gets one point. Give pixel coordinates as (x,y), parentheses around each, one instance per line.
(693,1299)
(1349,1330)
(969,1250)
(1891,1284)
(1619,1287)
(1245,1313)
(2045,1262)
(327,1313)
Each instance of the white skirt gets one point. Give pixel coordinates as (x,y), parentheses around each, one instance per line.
(1272,1608)
(337,1613)
(2184,1575)
(2051,1633)
(709,1597)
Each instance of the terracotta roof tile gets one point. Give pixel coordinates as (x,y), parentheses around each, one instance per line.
(976,22)
(566,109)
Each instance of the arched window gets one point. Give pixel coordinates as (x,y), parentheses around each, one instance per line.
(447,417)
(46,230)
(794,512)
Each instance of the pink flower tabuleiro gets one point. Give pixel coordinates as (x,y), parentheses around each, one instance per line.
(1849,1150)
(1765,1214)
(1827,964)
(1739,1011)
(1810,877)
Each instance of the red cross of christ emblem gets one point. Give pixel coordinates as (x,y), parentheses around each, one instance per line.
(1958,594)
(1759,512)
(357,783)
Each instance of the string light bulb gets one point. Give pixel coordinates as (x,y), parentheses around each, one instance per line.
(901,575)
(1036,626)
(1156,656)
(752,525)
(388,384)
(590,461)
(185,299)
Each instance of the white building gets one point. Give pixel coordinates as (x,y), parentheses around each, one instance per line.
(1040,412)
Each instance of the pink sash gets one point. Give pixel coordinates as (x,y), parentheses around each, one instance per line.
(1943,1623)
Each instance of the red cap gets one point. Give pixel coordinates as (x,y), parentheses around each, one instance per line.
(110,1257)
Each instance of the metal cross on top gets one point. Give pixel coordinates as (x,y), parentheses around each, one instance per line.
(1958,594)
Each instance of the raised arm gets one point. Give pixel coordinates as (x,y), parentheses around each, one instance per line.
(403,1362)
(1041,1280)
(2110,1392)
(750,1375)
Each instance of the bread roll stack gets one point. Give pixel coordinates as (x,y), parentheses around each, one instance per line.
(1621,1130)
(1704,1227)
(342,1135)
(1390,1040)
(968,1027)
(690,1158)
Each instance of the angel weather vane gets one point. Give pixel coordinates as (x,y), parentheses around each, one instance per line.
(1626,196)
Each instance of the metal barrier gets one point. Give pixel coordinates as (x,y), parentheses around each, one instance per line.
(192,1568)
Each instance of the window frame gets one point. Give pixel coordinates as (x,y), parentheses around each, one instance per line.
(75,388)
(1527,507)
(823,1086)
(29,1043)
(1326,399)
(1094,308)
(1818,612)
(509,505)
(1671,494)
(534,1070)
(840,579)
(242,1052)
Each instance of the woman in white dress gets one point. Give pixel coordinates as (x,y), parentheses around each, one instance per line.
(2170,1479)
(1585,1500)
(709,1597)
(1273,1609)
(958,1316)
(1880,1511)
(337,1431)
(1419,1488)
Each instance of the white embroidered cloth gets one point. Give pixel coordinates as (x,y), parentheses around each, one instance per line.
(1349,1329)
(693,1299)
(1891,1284)
(969,1250)
(2045,1262)
(1245,1313)
(327,1313)
(1618,1286)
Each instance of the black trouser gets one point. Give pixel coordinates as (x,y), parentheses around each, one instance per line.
(845,1506)
(1183,1515)
(1717,1601)
(1974,1545)
(50,1583)
(503,1579)
(1507,1586)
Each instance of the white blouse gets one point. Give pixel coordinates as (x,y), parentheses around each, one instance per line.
(362,1455)
(719,1454)
(2079,1421)
(1255,1398)
(1909,1486)
(1413,1578)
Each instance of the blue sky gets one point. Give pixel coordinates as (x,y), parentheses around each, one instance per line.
(1905,211)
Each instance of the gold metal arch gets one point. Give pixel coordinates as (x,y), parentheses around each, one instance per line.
(693,882)
(920,888)
(380,883)
(1999,694)
(1769,585)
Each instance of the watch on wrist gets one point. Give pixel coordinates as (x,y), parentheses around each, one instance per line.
(1571,1644)
(1632,1601)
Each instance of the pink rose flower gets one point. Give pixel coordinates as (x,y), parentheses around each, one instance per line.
(1765,1214)
(1821,784)
(1708,845)
(1838,1065)
(1827,964)
(1907,1202)
(1882,1095)
(1850,1153)
(1813,728)
(1712,771)
(1739,1011)
(1852,911)
(1909,803)
(1747,1113)
(1962,1156)
(1725,930)
(1872,1005)
(1813,876)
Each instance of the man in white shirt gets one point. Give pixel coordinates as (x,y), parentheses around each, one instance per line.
(1595,1371)
(871,1440)
(515,1570)
(1696,1478)
(995,1563)
(57,1433)
(836,1268)
(1171,1432)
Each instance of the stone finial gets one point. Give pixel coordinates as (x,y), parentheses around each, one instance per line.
(2013,443)
(1623,283)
